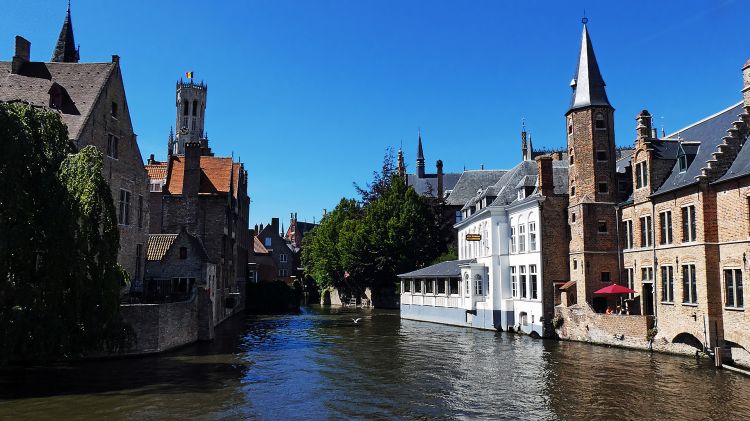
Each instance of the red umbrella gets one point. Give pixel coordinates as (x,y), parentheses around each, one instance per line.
(615,289)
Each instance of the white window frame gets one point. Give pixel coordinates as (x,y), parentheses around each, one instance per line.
(532,236)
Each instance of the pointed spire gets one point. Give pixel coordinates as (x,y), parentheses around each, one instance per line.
(524,146)
(420,157)
(65,50)
(401,164)
(588,84)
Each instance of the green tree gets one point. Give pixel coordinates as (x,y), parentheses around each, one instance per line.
(58,242)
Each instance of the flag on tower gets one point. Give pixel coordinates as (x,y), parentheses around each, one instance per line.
(189,75)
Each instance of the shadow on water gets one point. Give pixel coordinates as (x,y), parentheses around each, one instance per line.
(197,368)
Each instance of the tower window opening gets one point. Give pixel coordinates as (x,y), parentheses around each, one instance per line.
(185,108)
(599,122)
(195,107)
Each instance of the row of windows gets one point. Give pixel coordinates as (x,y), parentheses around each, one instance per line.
(523,286)
(599,123)
(186,109)
(433,286)
(518,238)
(123,216)
(689,230)
(733,286)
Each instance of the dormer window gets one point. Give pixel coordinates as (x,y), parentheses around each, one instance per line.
(56,96)
(682,159)
(599,123)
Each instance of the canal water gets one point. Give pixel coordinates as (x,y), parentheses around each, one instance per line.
(321,365)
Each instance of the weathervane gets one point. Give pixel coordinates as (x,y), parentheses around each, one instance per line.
(585,20)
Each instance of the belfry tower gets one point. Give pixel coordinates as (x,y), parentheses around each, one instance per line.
(190,117)
(593,186)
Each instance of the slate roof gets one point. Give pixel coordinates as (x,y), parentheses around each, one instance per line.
(157,171)
(82,84)
(423,186)
(470,181)
(588,84)
(741,165)
(708,134)
(447,269)
(216,174)
(158,245)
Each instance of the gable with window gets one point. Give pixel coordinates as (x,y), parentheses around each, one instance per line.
(641,175)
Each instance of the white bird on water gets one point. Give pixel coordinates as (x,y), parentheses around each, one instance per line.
(356,320)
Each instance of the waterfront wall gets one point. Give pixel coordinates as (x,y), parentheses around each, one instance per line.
(483,319)
(161,327)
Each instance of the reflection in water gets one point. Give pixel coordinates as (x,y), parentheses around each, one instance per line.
(319,365)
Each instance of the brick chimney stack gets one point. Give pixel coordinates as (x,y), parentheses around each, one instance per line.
(440,178)
(545,175)
(192,176)
(22,54)
(745,83)
(275,224)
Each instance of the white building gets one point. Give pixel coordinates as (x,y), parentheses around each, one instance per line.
(498,282)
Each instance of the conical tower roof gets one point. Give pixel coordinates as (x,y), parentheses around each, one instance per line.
(588,84)
(65,50)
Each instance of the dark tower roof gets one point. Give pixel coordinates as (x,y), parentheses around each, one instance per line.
(420,158)
(65,50)
(588,84)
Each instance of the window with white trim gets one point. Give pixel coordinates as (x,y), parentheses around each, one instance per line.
(513,282)
(667,284)
(522,238)
(522,281)
(688,224)
(532,236)
(647,235)
(628,228)
(689,285)
(533,282)
(733,288)
(665,227)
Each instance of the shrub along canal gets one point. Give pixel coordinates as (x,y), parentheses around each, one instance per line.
(321,365)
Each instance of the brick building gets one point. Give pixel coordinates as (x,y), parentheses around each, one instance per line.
(676,230)
(203,194)
(91,101)
(285,259)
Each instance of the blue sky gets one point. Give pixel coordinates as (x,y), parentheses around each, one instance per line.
(310,93)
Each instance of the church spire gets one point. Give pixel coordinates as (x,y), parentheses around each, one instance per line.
(420,157)
(588,84)
(65,50)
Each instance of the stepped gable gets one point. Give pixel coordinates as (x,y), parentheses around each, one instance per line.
(469,182)
(157,171)
(699,141)
(80,84)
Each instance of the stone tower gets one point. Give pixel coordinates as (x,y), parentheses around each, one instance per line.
(190,117)
(593,186)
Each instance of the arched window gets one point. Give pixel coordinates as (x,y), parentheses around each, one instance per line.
(478,290)
(599,121)
(195,108)
(185,108)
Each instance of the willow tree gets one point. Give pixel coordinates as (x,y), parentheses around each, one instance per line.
(59,277)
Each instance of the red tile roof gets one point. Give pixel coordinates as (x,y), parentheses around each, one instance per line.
(157,171)
(216,174)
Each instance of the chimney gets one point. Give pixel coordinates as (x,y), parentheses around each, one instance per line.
(643,127)
(440,178)
(22,54)
(192,176)
(745,83)
(115,58)
(545,176)
(275,224)
(256,229)
(151,159)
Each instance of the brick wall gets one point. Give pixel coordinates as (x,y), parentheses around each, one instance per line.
(124,172)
